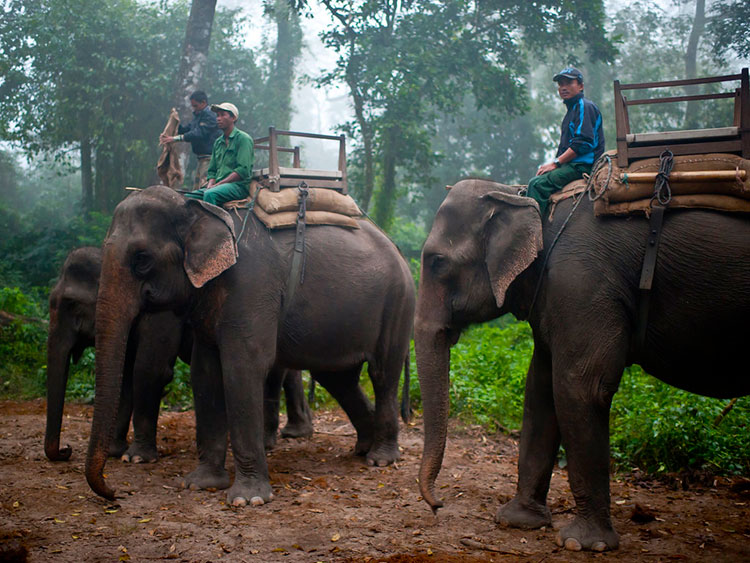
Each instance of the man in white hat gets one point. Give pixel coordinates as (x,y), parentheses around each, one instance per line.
(231,163)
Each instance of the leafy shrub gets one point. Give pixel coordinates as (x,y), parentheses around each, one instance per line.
(488,374)
(659,428)
(22,347)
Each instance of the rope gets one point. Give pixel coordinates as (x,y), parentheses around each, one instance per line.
(662,189)
(589,187)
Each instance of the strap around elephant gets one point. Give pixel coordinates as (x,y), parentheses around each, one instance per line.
(297,272)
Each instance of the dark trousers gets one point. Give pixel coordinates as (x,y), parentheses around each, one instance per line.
(541,187)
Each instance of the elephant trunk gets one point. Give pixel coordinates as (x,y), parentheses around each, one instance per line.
(59,346)
(432,347)
(116,310)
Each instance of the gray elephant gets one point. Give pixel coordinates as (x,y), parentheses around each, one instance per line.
(153,347)
(484,257)
(249,312)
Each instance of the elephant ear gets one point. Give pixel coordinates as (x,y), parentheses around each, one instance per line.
(514,239)
(210,242)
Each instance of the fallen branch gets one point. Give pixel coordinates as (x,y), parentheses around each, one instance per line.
(478,545)
(725,412)
(7,319)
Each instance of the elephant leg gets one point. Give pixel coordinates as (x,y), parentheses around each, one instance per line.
(540,441)
(246,364)
(385,380)
(299,416)
(210,419)
(119,443)
(271,406)
(151,374)
(583,394)
(344,387)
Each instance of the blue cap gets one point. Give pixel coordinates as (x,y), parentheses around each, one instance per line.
(569,72)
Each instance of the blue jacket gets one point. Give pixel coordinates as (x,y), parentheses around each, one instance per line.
(201,132)
(582,130)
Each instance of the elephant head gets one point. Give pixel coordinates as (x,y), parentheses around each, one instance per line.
(483,237)
(72,304)
(159,248)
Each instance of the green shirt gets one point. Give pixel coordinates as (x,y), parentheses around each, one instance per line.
(236,155)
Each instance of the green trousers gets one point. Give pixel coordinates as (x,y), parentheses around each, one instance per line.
(540,188)
(219,195)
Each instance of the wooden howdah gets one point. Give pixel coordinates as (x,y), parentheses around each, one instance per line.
(733,139)
(275,177)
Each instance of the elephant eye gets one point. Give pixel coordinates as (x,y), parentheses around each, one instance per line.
(438,264)
(142,264)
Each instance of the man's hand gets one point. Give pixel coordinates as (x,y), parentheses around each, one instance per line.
(544,168)
(165,139)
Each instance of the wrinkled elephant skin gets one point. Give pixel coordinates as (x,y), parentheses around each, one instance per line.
(153,347)
(355,305)
(484,257)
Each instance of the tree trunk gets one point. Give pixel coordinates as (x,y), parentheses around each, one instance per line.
(366,132)
(192,63)
(87,176)
(288,47)
(386,197)
(692,120)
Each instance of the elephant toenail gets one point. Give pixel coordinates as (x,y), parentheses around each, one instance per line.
(125,458)
(558,540)
(599,546)
(193,487)
(137,459)
(257,501)
(371,462)
(572,544)
(239,501)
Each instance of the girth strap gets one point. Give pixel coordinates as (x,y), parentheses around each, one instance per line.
(297,272)
(659,202)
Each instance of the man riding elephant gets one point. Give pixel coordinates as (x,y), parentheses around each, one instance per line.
(231,161)
(581,140)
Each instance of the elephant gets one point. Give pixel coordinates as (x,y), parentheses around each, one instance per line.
(350,301)
(485,256)
(153,347)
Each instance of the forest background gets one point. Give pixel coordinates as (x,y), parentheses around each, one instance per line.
(427,92)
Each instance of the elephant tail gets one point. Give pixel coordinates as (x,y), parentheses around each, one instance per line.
(405,402)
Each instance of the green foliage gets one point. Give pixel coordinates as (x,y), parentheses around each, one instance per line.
(488,373)
(22,347)
(659,428)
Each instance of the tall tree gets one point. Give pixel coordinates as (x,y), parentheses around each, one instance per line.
(192,63)
(729,26)
(408,61)
(691,62)
(286,53)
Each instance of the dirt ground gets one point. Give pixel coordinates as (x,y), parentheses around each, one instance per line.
(328,505)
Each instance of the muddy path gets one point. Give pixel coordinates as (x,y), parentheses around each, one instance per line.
(328,505)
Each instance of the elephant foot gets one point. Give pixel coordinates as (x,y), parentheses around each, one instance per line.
(117,448)
(297,429)
(246,490)
(363,446)
(527,515)
(138,453)
(207,477)
(383,454)
(583,534)
(269,440)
